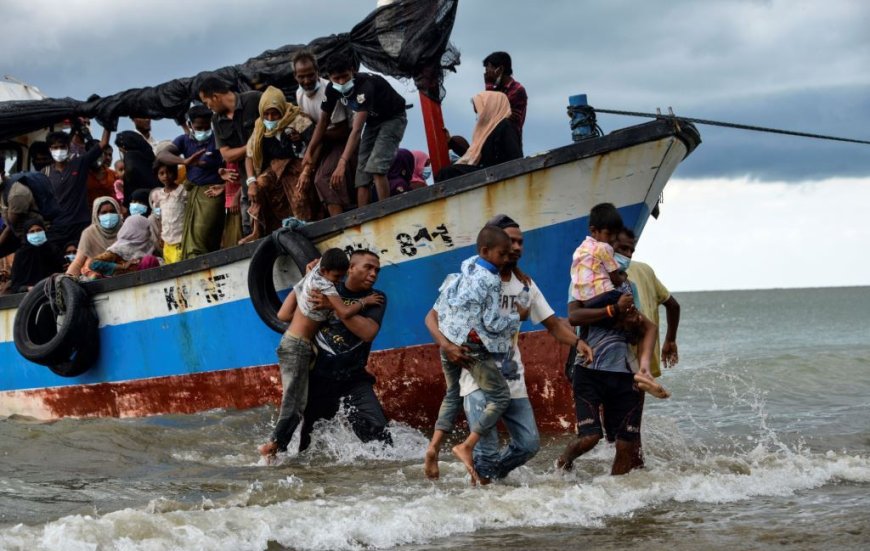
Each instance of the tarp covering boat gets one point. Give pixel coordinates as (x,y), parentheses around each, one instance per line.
(406,39)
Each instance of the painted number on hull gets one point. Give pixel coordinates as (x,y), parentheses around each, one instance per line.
(408,244)
(210,288)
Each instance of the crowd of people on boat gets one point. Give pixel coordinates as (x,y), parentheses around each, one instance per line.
(334,312)
(243,165)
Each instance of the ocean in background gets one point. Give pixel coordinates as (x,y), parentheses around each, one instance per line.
(764,445)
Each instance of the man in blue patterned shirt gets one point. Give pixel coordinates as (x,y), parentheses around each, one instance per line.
(469,315)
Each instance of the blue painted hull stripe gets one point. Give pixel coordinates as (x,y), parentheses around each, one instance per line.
(209,339)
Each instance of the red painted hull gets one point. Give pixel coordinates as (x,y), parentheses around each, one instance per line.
(410,386)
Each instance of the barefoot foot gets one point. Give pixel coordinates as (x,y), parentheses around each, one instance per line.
(650,386)
(463,453)
(269,451)
(430,464)
(563,465)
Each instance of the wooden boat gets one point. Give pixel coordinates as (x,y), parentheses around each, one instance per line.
(185,337)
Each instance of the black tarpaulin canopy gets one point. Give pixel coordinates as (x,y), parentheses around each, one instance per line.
(408,39)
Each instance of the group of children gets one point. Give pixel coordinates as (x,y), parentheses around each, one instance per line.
(469,316)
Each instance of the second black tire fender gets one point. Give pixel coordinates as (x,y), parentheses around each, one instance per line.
(261,285)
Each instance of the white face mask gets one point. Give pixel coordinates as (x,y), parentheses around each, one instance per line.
(59,155)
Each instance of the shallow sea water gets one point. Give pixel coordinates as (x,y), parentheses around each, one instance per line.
(765,445)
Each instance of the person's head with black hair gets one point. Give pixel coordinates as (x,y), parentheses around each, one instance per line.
(217,94)
(458,145)
(340,69)
(58,146)
(365,265)
(625,243)
(334,264)
(167,174)
(497,66)
(494,246)
(199,120)
(306,71)
(139,202)
(40,156)
(605,223)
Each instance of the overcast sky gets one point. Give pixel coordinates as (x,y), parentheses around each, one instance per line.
(794,64)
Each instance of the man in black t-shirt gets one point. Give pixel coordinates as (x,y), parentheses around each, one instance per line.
(378,108)
(69,184)
(339,373)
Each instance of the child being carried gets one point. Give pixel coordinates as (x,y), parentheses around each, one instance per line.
(296,352)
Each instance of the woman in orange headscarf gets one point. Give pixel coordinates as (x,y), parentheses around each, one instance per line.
(494,140)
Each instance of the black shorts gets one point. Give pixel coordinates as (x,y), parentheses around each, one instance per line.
(618,393)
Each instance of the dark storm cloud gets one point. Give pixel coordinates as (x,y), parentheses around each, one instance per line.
(793,64)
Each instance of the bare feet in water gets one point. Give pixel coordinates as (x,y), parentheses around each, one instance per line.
(430,464)
(463,453)
(563,465)
(269,451)
(649,385)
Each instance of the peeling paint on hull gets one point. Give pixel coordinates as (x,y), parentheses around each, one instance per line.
(185,338)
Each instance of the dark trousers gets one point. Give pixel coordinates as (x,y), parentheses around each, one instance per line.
(364,410)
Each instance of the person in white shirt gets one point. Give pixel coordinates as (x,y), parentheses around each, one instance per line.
(490,462)
(310,96)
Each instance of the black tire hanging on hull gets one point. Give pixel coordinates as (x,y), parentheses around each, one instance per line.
(261,284)
(56,326)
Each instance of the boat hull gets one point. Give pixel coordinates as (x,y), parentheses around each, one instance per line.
(185,338)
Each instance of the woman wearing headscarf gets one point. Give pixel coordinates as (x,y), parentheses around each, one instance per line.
(422,170)
(494,140)
(135,242)
(35,260)
(138,160)
(272,158)
(99,236)
(400,173)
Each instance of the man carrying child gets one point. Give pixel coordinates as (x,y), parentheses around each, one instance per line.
(469,315)
(614,380)
(296,351)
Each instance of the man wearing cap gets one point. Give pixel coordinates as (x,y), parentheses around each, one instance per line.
(490,462)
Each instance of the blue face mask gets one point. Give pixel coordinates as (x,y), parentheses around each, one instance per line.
(453,156)
(270,125)
(109,220)
(343,88)
(70,257)
(37,238)
(138,208)
(427,172)
(201,135)
(156,212)
(622,260)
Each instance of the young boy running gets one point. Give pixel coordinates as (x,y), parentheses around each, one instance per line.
(468,309)
(296,351)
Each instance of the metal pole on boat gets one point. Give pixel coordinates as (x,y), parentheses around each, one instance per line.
(436,133)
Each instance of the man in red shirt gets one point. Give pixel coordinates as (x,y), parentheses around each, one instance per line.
(498,77)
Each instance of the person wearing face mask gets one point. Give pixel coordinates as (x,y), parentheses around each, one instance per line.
(101,177)
(273,158)
(649,293)
(134,248)
(493,141)
(35,260)
(138,160)
(310,96)
(99,236)
(198,153)
(422,169)
(69,183)
(233,120)
(69,254)
(498,77)
(377,129)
